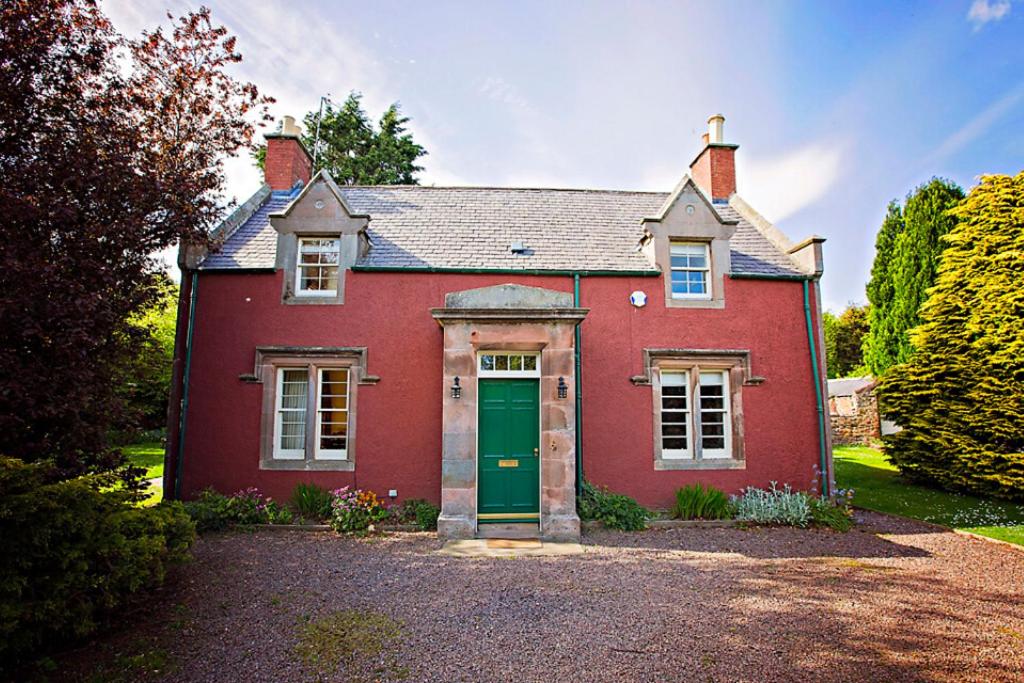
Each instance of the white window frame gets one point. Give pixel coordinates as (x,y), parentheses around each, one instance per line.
(493,372)
(695,450)
(706,271)
(299,266)
(725,452)
(677,453)
(288,453)
(330,453)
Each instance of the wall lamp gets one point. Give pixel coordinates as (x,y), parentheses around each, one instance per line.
(563,388)
(456,389)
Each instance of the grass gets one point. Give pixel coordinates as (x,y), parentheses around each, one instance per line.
(148,454)
(878,486)
(358,641)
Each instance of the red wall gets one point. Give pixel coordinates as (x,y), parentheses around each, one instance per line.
(398,442)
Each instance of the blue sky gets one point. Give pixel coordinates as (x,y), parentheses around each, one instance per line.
(837,107)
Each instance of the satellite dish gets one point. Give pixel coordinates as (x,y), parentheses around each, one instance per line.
(638,299)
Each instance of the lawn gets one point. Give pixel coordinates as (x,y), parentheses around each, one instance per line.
(148,454)
(878,486)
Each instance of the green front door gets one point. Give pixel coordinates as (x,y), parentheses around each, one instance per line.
(508,461)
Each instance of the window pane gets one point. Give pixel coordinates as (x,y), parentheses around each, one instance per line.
(487,361)
(714,416)
(292,386)
(501,362)
(333,412)
(675,418)
(515,362)
(529,362)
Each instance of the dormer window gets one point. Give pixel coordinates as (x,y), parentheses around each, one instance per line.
(316,273)
(691,270)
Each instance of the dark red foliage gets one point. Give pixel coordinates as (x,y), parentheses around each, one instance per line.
(110,150)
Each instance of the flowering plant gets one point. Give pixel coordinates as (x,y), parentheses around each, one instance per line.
(355,511)
(250,506)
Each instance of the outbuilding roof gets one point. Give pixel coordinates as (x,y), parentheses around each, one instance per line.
(848,386)
(474,228)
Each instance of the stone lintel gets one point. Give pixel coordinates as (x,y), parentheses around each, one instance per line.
(509,315)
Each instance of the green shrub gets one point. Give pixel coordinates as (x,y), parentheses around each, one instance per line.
(213,511)
(312,501)
(73,552)
(835,513)
(420,512)
(774,506)
(355,511)
(699,502)
(614,510)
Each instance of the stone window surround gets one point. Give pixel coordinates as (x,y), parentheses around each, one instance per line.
(268,360)
(736,362)
(688,215)
(319,211)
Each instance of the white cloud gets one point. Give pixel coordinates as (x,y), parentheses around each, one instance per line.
(500,90)
(976,127)
(984,11)
(782,186)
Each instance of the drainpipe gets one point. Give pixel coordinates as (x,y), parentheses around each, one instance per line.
(816,377)
(579,397)
(179,466)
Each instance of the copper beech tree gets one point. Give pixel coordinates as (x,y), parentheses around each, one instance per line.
(110,151)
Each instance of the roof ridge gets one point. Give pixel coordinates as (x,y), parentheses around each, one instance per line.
(499,187)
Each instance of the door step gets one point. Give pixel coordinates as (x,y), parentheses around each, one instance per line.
(521,530)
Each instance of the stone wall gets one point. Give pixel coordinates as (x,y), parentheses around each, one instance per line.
(862,427)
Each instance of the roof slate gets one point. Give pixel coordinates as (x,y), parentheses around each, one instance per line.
(474,227)
(848,386)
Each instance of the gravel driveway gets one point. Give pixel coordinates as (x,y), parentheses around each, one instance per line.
(892,601)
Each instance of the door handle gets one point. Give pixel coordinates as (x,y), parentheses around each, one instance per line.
(536,451)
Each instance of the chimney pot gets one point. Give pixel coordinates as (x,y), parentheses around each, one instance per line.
(288,126)
(715,133)
(704,139)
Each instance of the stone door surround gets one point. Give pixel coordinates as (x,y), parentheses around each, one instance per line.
(509,318)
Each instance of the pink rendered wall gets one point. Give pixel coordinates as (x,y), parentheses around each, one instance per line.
(398,439)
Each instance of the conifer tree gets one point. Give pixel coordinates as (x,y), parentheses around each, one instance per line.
(879,341)
(906,253)
(960,397)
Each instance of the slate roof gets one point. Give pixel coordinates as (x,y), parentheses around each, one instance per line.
(473,227)
(848,386)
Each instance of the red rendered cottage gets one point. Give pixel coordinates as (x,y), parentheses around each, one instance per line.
(486,348)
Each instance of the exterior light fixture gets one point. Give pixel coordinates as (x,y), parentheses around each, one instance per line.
(456,389)
(563,388)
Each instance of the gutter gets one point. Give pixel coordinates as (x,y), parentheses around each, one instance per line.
(816,377)
(508,271)
(179,465)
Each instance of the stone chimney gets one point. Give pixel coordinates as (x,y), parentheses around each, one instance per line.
(714,169)
(287,160)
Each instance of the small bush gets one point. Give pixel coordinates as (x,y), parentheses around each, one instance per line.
(420,512)
(614,510)
(213,511)
(73,552)
(699,502)
(834,513)
(774,506)
(355,511)
(312,501)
